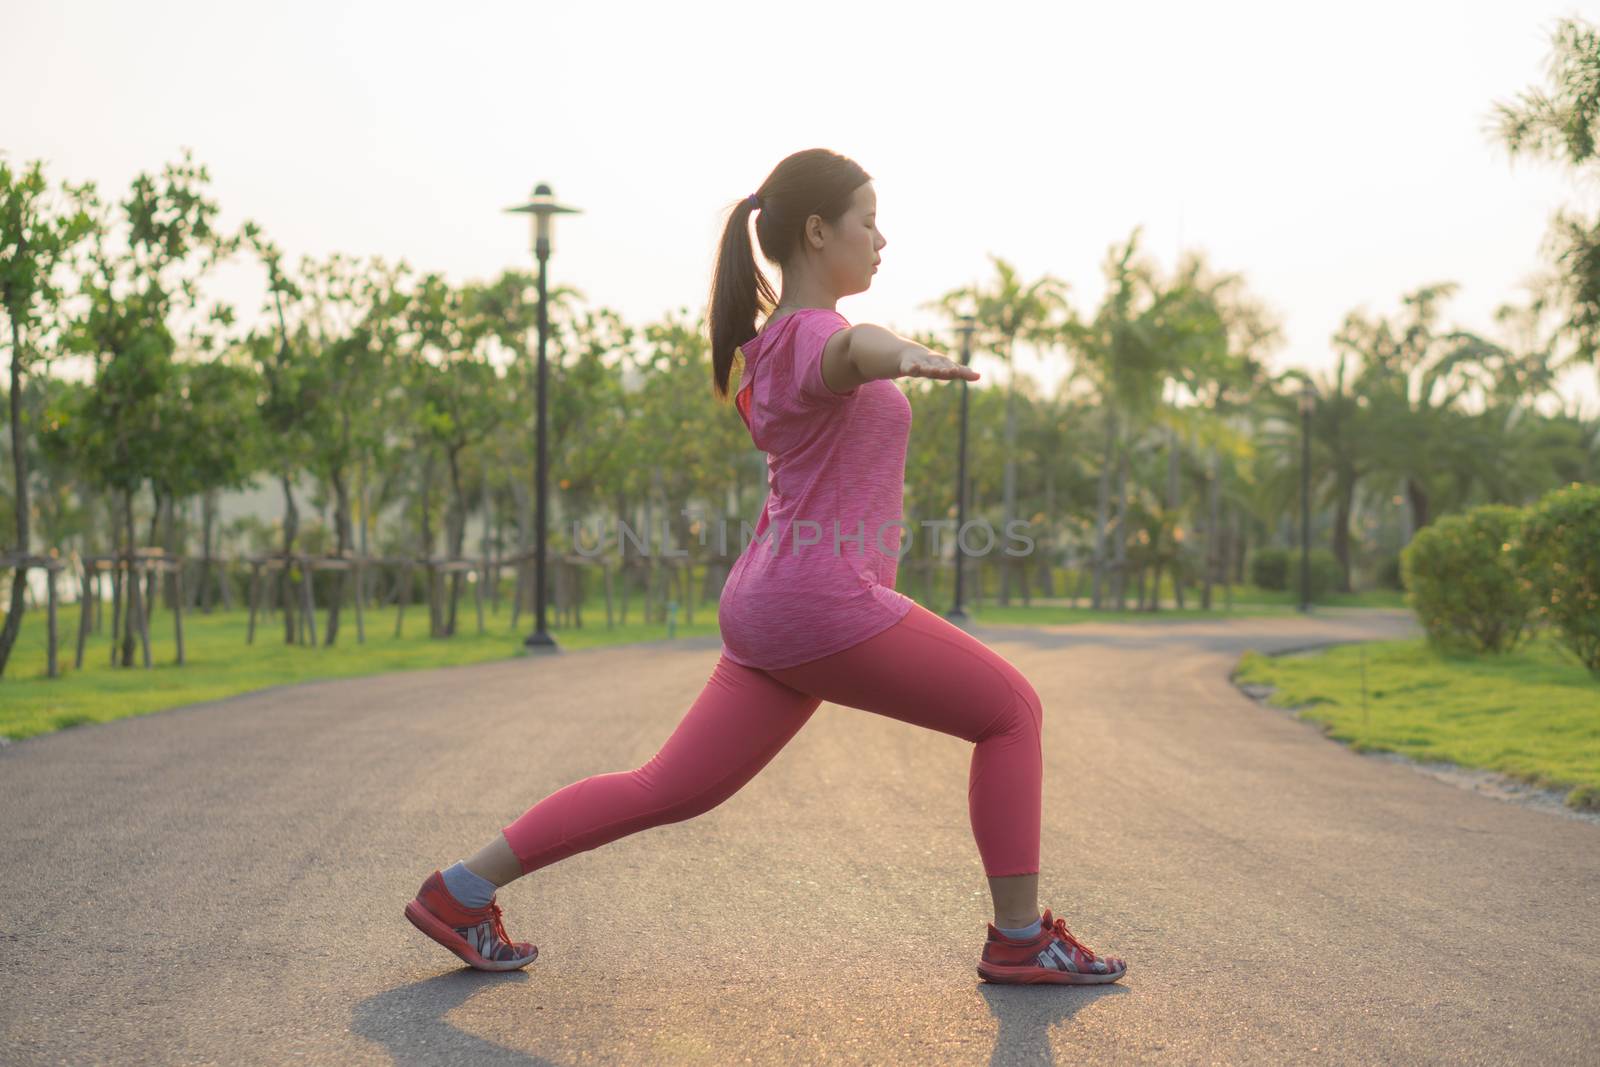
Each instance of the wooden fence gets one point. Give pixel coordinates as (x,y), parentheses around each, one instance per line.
(279,583)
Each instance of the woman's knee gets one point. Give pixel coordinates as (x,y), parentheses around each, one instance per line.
(1023,711)
(1028,703)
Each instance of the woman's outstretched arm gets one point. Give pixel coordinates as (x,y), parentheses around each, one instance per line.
(867,353)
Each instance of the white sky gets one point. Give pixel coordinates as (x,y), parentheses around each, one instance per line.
(1337,156)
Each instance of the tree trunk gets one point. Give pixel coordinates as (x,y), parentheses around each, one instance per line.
(291,530)
(1239,539)
(1213,534)
(1417,497)
(427,505)
(1102,511)
(343,537)
(171,542)
(486,571)
(1047,578)
(224,576)
(457,534)
(1344,506)
(19,462)
(366,524)
(427,539)
(114,524)
(1174,500)
(208,526)
(131,609)
(1119,569)
(1010,472)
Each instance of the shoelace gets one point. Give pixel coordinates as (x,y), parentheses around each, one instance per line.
(1059,928)
(496,925)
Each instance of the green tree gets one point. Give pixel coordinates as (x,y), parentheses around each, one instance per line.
(226,447)
(1532,453)
(1345,449)
(1008,312)
(288,403)
(1562,123)
(37,233)
(141,296)
(1413,378)
(1125,354)
(461,396)
(350,318)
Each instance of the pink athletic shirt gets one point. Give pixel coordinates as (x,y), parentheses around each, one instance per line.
(836,467)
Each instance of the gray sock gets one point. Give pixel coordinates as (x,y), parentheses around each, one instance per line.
(471,890)
(1026,931)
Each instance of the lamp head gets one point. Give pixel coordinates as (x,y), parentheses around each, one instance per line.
(542,205)
(968,324)
(1308,397)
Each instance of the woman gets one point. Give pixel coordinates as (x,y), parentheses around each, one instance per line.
(809,612)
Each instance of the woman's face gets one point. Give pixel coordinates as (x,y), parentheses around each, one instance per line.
(851,245)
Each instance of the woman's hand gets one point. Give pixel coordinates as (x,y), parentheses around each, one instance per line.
(871,353)
(919,362)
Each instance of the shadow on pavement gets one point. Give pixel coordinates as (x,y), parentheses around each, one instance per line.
(409,1022)
(1026,1014)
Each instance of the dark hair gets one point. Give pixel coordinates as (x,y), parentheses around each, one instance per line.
(811,182)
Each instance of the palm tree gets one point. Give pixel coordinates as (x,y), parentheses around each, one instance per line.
(1342,449)
(1143,335)
(1219,337)
(1563,124)
(1530,451)
(1413,378)
(1008,312)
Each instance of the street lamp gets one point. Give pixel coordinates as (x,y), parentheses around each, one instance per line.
(957,614)
(541,206)
(1308,401)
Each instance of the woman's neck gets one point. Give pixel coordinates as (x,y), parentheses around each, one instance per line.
(802,292)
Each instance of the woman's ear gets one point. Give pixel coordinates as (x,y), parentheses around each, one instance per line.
(814,231)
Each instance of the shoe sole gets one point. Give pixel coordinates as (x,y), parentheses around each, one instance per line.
(424,920)
(1029,975)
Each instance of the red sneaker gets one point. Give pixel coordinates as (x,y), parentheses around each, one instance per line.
(475,934)
(1053,955)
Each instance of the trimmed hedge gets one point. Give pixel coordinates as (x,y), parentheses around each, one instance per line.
(1279,568)
(1269,568)
(1558,559)
(1463,581)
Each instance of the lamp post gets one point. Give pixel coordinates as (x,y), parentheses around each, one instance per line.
(957,614)
(1308,400)
(541,206)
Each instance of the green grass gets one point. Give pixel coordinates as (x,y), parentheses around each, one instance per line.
(1248,602)
(1533,714)
(1039,614)
(220,663)
(1369,598)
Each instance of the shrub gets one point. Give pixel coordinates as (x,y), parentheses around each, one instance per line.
(1326,573)
(1462,581)
(1279,568)
(1269,568)
(1388,573)
(1557,556)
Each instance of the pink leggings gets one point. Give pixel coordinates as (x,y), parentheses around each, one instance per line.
(922,670)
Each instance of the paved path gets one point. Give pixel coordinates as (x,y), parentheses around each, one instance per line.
(223,883)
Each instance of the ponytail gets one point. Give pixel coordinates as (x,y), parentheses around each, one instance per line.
(739,292)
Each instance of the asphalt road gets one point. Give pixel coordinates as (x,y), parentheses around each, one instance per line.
(224,883)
